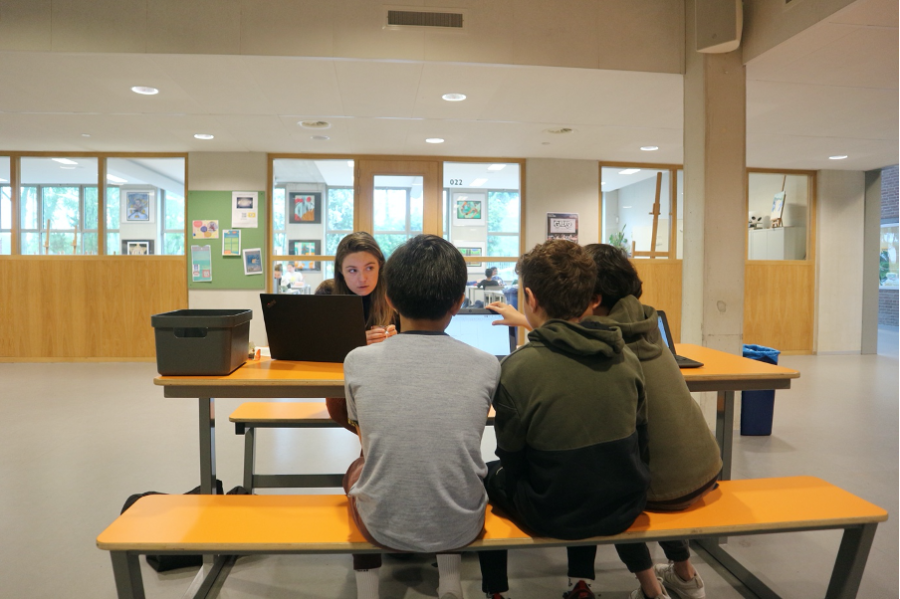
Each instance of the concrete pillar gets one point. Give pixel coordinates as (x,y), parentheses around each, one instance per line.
(871,248)
(715,213)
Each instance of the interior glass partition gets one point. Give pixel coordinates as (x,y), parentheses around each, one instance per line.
(778,216)
(58,206)
(631,196)
(312,210)
(5,208)
(887,259)
(145,206)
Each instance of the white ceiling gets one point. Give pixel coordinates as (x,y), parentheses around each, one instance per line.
(830,90)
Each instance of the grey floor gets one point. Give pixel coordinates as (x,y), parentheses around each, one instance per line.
(79,438)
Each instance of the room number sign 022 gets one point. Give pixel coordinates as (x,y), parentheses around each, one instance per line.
(456,181)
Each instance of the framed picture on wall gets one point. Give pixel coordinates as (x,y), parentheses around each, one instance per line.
(469,208)
(777,209)
(472,249)
(305,207)
(137,247)
(305,247)
(253,261)
(138,206)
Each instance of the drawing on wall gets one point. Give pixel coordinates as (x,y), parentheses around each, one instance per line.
(205,229)
(305,207)
(305,247)
(468,209)
(134,247)
(777,209)
(231,242)
(472,249)
(138,207)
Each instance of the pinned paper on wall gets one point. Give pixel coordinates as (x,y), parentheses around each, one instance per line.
(205,229)
(253,261)
(244,209)
(201,263)
(562,225)
(231,242)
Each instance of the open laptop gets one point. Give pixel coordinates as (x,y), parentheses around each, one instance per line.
(667,338)
(474,326)
(313,328)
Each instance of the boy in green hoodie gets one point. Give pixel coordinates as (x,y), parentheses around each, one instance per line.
(569,407)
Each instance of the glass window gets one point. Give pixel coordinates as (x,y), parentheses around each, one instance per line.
(59,206)
(629,196)
(300,277)
(145,205)
(482,209)
(887,267)
(397,210)
(5,208)
(312,210)
(777,216)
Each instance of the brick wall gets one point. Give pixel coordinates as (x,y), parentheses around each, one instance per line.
(888,308)
(889,194)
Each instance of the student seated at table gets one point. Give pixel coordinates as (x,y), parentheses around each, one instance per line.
(418,484)
(570,418)
(326,287)
(490,279)
(358,265)
(684,455)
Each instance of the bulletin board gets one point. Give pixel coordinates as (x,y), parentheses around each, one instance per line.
(227,271)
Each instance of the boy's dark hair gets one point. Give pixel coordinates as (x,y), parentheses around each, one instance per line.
(616,275)
(561,275)
(425,277)
(326,287)
(488,272)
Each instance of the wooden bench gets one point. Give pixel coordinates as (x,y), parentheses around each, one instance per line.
(236,525)
(274,414)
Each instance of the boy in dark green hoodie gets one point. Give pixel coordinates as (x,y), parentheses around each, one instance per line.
(571,420)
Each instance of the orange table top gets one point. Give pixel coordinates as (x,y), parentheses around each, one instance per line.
(288,412)
(719,368)
(314,523)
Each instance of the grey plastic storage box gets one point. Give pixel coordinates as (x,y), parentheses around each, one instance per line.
(201,342)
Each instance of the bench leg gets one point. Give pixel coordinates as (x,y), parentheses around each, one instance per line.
(715,552)
(850,562)
(249,457)
(210,579)
(127,572)
(725,429)
(207,445)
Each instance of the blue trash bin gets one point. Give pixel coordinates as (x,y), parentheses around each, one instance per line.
(757,407)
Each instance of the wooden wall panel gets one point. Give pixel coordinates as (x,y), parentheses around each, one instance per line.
(662,289)
(779,305)
(86,307)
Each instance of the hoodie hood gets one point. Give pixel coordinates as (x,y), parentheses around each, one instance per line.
(586,338)
(639,325)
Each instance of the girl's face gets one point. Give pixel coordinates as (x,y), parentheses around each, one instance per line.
(360,270)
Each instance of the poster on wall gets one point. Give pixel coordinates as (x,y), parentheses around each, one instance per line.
(205,229)
(562,225)
(231,242)
(201,264)
(253,261)
(138,206)
(244,209)
(469,209)
(305,247)
(305,207)
(135,247)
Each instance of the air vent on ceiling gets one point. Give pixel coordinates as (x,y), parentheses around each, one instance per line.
(418,18)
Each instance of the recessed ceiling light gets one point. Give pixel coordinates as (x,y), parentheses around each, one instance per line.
(145,91)
(85,135)
(64,161)
(630,171)
(496,167)
(626,207)
(314,124)
(478,182)
(454,97)
(204,136)
(434,140)
(68,168)
(839,157)
(649,148)
(115,179)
